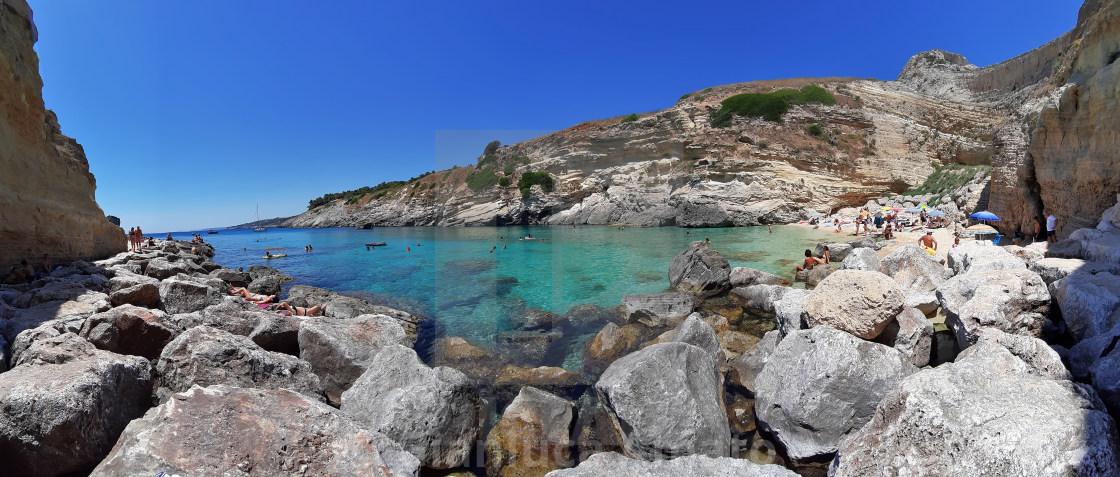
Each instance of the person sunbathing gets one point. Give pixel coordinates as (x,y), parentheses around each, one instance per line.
(253,297)
(299,310)
(810,262)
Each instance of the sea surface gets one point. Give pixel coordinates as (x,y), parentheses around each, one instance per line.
(451,275)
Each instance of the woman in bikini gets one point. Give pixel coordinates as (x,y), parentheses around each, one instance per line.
(299,310)
(253,297)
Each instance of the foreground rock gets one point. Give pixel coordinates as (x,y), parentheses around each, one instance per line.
(746,368)
(435,414)
(551,379)
(981,256)
(666,401)
(700,270)
(611,463)
(743,276)
(129,330)
(758,299)
(918,275)
(863,258)
(658,309)
(532,437)
(339,350)
(180,294)
(64,405)
(341,306)
(822,384)
(911,333)
(1014,301)
(222,430)
(1090,302)
(999,431)
(612,342)
(861,303)
(205,356)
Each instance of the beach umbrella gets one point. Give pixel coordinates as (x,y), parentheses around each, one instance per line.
(896,209)
(911,211)
(980,229)
(984,215)
(865,213)
(923,207)
(885,209)
(935,213)
(814,214)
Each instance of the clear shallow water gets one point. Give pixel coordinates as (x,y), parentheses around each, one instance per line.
(450,275)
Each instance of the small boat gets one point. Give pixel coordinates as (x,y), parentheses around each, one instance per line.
(376,244)
(212,232)
(258,229)
(275,256)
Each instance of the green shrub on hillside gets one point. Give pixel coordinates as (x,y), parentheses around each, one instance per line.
(945,179)
(513,162)
(815,130)
(483,178)
(503,181)
(353,196)
(769,106)
(631,118)
(491,148)
(529,179)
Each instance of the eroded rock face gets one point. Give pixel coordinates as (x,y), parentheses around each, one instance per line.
(861,303)
(749,364)
(997,430)
(742,276)
(1090,302)
(612,463)
(758,299)
(612,342)
(532,437)
(340,350)
(666,401)
(434,413)
(219,430)
(696,332)
(822,384)
(918,274)
(65,403)
(1014,301)
(182,295)
(911,333)
(700,270)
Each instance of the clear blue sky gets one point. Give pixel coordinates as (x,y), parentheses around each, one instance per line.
(192,113)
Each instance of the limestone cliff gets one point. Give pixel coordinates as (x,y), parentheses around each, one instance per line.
(46,191)
(672,167)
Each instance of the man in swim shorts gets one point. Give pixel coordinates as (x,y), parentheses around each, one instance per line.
(928,242)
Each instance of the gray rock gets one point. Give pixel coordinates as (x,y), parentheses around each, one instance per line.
(5,354)
(278,333)
(532,437)
(69,311)
(267,285)
(837,251)
(657,309)
(742,276)
(340,350)
(861,303)
(124,280)
(145,295)
(817,275)
(787,311)
(261,431)
(821,385)
(918,275)
(1090,302)
(1039,357)
(434,413)
(164,268)
(699,334)
(666,401)
(1014,301)
(867,241)
(989,423)
(232,277)
(339,306)
(180,295)
(700,270)
(129,330)
(1065,249)
(911,333)
(863,258)
(66,403)
(747,366)
(258,271)
(528,348)
(758,299)
(1106,378)
(1086,352)
(611,463)
(207,356)
(981,256)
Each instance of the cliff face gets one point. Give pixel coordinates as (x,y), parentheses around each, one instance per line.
(47,192)
(1047,142)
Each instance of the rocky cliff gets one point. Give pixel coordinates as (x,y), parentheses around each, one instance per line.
(47,200)
(1041,120)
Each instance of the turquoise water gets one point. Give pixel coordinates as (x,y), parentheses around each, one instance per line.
(449,273)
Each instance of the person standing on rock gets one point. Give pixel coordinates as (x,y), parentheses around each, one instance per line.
(132,239)
(1051,227)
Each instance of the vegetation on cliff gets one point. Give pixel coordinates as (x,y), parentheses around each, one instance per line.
(769,106)
(946,178)
(529,179)
(353,196)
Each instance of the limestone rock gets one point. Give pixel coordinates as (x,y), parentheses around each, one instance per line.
(666,401)
(611,463)
(529,347)
(145,295)
(998,431)
(65,403)
(559,381)
(918,274)
(267,285)
(861,259)
(981,256)
(859,302)
(223,430)
(700,270)
(697,333)
(340,306)
(1040,359)
(743,276)
(181,295)
(612,342)
(129,330)
(532,437)
(746,367)
(340,350)
(1087,352)
(822,384)
(163,268)
(787,311)
(232,277)
(815,276)
(435,414)
(279,333)
(837,251)
(911,333)
(1090,302)
(1015,301)
(758,299)
(734,344)
(481,365)
(658,309)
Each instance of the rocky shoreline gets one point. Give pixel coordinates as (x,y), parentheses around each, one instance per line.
(142,363)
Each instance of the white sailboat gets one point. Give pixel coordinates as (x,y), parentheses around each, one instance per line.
(259,228)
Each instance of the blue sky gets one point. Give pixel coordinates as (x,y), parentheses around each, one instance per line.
(192,113)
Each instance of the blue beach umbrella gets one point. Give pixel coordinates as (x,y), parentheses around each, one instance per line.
(935,213)
(984,215)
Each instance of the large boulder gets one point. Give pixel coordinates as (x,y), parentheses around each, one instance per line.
(162,268)
(743,276)
(917,274)
(532,437)
(133,289)
(837,251)
(820,385)
(1040,359)
(340,350)
(612,463)
(267,284)
(559,381)
(696,332)
(129,330)
(340,306)
(1014,301)
(206,356)
(666,401)
(758,299)
(434,413)
(746,367)
(77,310)
(64,405)
(787,311)
(980,256)
(817,275)
(911,333)
(481,365)
(609,344)
(1090,302)
(279,333)
(859,302)
(530,347)
(861,259)
(979,408)
(232,277)
(658,309)
(700,270)
(223,430)
(180,294)
(1083,355)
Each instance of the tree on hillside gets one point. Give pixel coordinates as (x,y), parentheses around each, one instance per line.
(492,147)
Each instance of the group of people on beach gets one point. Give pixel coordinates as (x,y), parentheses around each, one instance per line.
(265,301)
(24,272)
(135,239)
